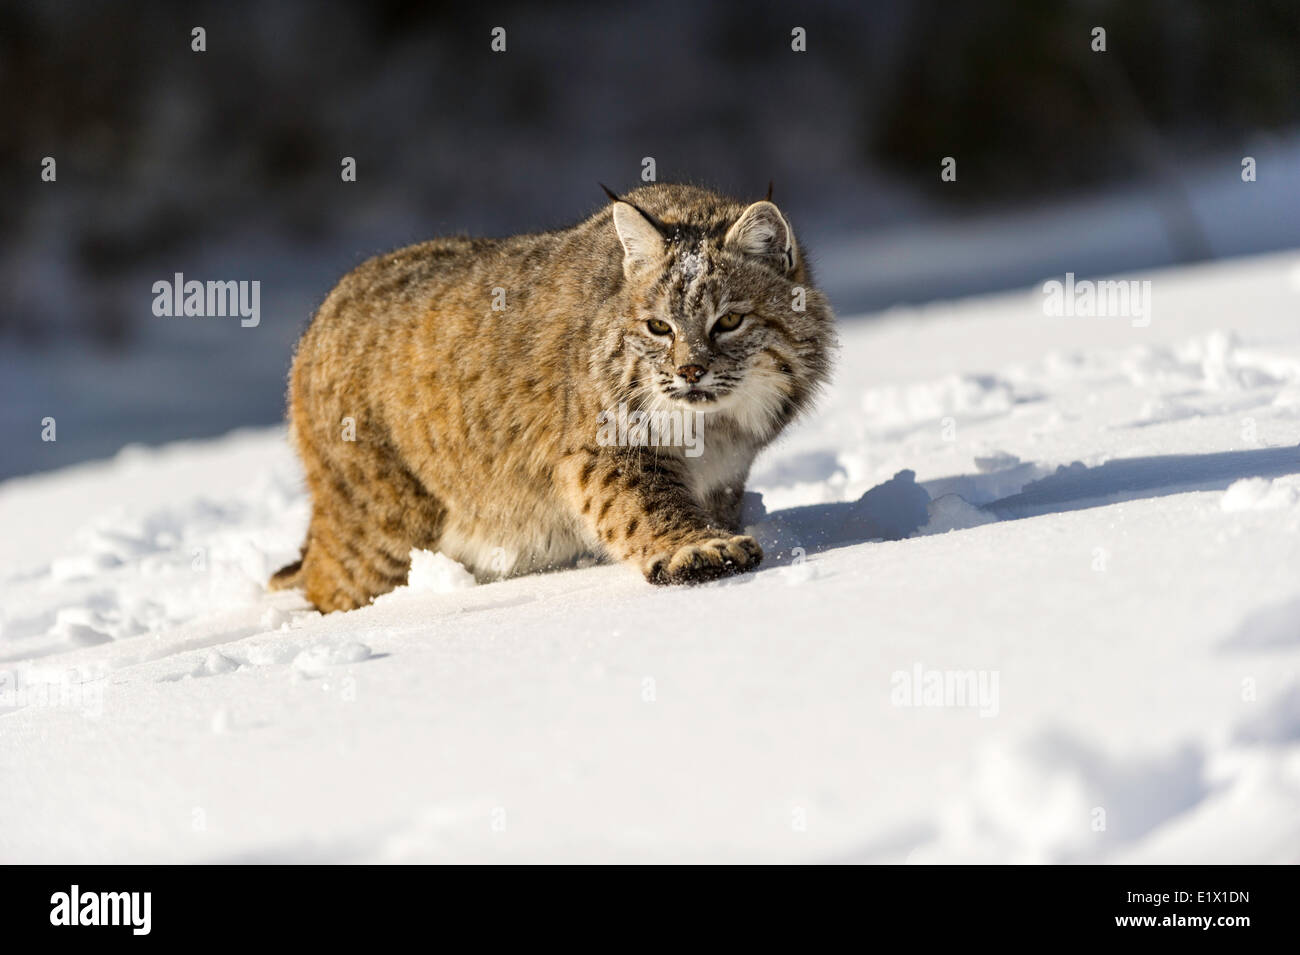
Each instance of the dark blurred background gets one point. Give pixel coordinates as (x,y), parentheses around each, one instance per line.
(225,164)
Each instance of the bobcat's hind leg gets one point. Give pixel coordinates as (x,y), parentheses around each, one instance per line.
(368,513)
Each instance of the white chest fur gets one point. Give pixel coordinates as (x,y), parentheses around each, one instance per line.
(723,463)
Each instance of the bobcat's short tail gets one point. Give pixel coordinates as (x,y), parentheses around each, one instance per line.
(288,576)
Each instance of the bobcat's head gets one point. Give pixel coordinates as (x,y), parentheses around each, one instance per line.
(723,317)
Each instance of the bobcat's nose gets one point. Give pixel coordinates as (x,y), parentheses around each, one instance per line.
(692,373)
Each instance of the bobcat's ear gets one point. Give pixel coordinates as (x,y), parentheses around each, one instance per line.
(762,231)
(643,246)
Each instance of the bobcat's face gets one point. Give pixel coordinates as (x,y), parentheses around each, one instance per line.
(721,325)
(707,340)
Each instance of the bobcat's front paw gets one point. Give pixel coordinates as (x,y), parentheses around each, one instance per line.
(705,560)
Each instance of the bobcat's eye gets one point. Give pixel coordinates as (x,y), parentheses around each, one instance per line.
(729,322)
(659,327)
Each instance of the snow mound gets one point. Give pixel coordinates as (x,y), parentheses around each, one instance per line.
(951,513)
(1260,494)
(436,573)
(991,461)
(1272,627)
(1053,798)
(965,395)
(318,658)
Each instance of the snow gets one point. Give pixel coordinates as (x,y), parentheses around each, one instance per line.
(436,573)
(1261,493)
(1032,594)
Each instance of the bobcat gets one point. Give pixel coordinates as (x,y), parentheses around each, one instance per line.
(451,395)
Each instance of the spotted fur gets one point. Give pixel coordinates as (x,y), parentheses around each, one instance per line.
(474,431)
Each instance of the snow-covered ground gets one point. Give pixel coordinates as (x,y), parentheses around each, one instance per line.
(1032,594)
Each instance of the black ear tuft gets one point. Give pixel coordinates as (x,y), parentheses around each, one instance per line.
(769,190)
(662,229)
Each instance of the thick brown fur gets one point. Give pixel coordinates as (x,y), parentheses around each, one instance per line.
(429,416)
